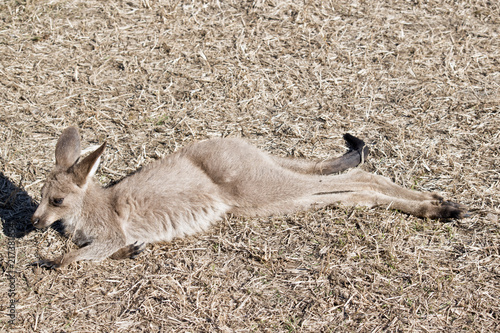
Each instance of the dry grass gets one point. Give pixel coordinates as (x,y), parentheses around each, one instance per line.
(418,80)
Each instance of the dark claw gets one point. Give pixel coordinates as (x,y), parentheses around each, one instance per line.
(136,250)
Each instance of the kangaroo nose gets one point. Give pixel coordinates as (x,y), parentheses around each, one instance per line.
(35,221)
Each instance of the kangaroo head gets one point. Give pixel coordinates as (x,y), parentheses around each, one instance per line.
(66,186)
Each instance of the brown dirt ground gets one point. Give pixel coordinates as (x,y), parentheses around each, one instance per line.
(418,80)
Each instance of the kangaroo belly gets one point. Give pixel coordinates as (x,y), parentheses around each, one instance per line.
(165,224)
(167,199)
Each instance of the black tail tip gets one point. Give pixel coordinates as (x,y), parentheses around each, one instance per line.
(356,144)
(353,142)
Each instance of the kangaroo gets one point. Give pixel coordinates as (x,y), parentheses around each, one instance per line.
(187,191)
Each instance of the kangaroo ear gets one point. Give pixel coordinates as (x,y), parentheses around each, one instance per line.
(83,171)
(68,148)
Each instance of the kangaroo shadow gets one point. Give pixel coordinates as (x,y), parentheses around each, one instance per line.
(16,209)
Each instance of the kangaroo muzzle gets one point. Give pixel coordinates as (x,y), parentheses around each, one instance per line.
(39,222)
(35,221)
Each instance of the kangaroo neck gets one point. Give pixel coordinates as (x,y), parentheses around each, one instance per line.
(96,203)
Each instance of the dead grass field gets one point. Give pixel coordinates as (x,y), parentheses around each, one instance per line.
(418,80)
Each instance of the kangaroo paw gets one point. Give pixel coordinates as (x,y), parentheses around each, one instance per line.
(45,263)
(136,249)
(130,251)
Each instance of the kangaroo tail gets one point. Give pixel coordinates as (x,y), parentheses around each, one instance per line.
(358,152)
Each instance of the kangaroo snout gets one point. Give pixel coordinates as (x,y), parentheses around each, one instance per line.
(39,222)
(35,221)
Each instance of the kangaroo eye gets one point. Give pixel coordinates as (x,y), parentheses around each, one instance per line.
(57,201)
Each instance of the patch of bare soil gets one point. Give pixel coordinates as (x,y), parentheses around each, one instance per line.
(418,80)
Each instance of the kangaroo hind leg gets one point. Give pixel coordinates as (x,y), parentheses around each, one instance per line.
(434,209)
(358,187)
(384,185)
